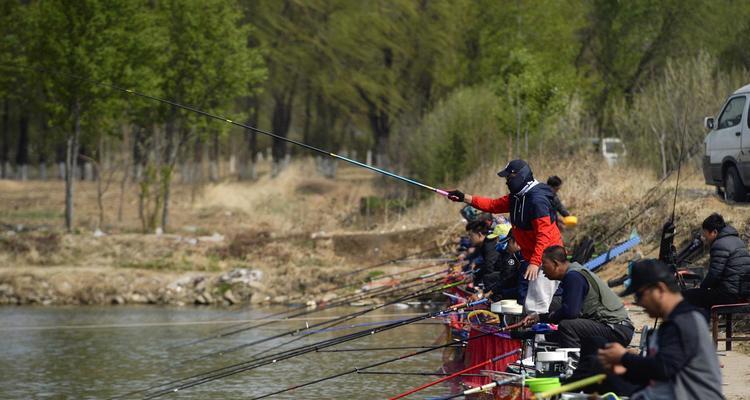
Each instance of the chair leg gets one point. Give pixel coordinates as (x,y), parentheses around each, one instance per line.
(715,328)
(729,332)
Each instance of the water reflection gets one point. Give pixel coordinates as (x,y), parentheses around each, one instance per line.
(100,352)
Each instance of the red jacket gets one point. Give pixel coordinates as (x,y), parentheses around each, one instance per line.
(532,217)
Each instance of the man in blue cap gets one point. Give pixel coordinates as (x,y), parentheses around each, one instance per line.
(681,362)
(534,224)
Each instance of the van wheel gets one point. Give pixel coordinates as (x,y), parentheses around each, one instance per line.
(735,189)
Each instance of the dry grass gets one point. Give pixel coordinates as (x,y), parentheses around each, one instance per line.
(295,226)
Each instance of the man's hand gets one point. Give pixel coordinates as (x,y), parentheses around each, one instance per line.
(610,357)
(529,320)
(532,272)
(456,195)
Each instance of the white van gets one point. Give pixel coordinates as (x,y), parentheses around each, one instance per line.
(726,161)
(613,150)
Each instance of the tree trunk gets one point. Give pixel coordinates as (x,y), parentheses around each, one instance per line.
(250,156)
(5,145)
(213,165)
(139,152)
(170,156)
(22,154)
(71,165)
(280,122)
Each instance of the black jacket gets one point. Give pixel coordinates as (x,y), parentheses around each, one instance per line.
(489,254)
(729,261)
(558,206)
(503,281)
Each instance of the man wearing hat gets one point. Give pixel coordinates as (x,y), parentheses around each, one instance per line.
(681,362)
(534,225)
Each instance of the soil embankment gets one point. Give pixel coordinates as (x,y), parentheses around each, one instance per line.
(295,236)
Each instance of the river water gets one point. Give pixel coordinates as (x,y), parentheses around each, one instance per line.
(101,352)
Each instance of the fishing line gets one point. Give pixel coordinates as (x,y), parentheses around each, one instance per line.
(234,369)
(239,124)
(252,364)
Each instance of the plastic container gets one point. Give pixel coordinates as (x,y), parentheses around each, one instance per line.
(538,385)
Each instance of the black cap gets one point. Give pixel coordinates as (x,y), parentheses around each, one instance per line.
(512,167)
(646,273)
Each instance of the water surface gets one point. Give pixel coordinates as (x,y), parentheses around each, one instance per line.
(100,352)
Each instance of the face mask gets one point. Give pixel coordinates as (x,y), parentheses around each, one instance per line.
(517,182)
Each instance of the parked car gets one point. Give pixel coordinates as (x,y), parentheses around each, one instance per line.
(726,161)
(613,150)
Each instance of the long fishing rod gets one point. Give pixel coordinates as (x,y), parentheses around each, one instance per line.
(234,369)
(380,264)
(458,345)
(325,306)
(479,389)
(250,364)
(411,373)
(241,125)
(224,332)
(307,327)
(358,369)
(256,355)
(489,361)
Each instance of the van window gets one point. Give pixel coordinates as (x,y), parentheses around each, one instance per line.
(732,114)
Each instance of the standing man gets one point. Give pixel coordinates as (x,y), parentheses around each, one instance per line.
(681,362)
(728,263)
(534,225)
(555,183)
(589,307)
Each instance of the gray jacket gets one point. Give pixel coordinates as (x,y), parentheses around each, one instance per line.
(729,260)
(682,362)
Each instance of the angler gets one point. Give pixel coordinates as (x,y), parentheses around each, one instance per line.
(681,361)
(534,225)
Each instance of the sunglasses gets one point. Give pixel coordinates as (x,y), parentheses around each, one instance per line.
(638,295)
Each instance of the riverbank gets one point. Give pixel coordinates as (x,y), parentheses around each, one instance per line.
(295,238)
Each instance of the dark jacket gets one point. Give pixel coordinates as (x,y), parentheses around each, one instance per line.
(532,217)
(558,206)
(681,361)
(503,281)
(489,255)
(729,261)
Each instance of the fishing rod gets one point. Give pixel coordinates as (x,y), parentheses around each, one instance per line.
(410,373)
(457,345)
(358,369)
(254,363)
(489,361)
(234,369)
(240,125)
(323,306)
(392,261)
(338,320)
(334,324)
(340,302)
(368,279)
(479,389)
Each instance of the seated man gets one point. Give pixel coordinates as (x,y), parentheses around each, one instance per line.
(729,261)
(681,361)
(589,307)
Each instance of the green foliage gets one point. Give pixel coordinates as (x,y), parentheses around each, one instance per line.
(459,135)
(453,84)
